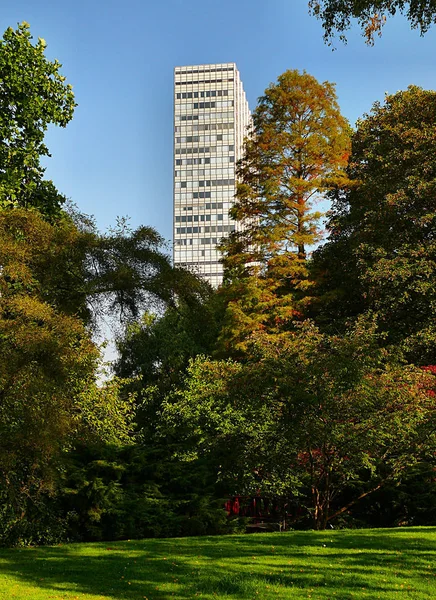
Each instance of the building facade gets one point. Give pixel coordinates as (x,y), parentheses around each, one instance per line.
(211,117)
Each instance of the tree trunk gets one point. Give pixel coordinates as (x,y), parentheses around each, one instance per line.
(300,226)
(353,502)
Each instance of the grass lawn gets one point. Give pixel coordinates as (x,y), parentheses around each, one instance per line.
(383,563)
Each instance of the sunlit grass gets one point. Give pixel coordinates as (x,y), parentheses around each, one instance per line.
(383,563)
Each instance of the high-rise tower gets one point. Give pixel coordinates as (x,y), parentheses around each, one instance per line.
(211,116)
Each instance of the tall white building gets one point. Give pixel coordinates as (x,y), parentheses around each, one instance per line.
(211,116)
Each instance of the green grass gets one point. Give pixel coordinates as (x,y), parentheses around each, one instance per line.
(383,563)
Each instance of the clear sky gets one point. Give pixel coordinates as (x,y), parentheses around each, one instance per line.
(115,157)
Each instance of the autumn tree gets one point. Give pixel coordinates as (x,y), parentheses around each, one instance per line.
(296,151)
(381,254)
(371,15)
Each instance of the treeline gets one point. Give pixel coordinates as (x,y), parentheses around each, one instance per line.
(306,379)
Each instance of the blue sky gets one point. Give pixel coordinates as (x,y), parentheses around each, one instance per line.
(115,157)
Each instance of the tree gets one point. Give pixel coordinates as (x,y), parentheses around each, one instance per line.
(49,393)
(131,270)
(317,421)
(118,273)
(297,150)
(158,348)
(336,15)
(122,270)
(380,258)
(33,95)
(83,272)
(50,398)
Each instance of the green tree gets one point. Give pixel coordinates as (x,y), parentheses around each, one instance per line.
(336,15)
(156,350)
(50,400)
(49,392)
(296,152)
(33,95)
(381,254)
(83,272)
(319,422)
(137,491)
(120,272)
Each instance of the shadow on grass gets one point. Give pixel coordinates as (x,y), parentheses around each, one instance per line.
(233,566)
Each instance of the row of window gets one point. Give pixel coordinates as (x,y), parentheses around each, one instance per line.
(217,137)
(208,252)
(210,160)
(191,257)
(205,127)
(196,241)
(208,206)
(225,194)
(207,94)
(215,182)
(203,81)
(204,70)
(188,230)
(213,126)
(204,183)
(204,149)
(212,172)
(218,104)
(192,161)
(215,279)
(198,218)
(219,228)
(205,116)
(187,118)
(207,229)
(201,105)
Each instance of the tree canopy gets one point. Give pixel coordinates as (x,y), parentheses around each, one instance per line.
(82,272)
(315,420)
(381,254)
(50,397)
(336,15)
(235,391)
(297,151)
(33,95)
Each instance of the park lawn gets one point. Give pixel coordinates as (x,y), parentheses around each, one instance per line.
(377,563)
